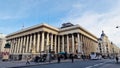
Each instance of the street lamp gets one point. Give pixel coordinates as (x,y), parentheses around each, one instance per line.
(117,26)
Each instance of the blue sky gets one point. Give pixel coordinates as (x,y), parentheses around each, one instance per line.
(93,15)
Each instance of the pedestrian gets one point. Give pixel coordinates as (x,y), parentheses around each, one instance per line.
(82,56)
(117,59)
(49,57)
(28,60)
(65,55)
(36,59)
(72,57)
(58,58)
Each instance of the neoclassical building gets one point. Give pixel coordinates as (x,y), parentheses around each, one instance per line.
(115,50)
(107,48)
(43,38)
(2,42)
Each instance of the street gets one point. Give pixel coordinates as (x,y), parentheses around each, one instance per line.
(105,63)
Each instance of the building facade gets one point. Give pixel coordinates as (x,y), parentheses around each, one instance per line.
(115,51)
(106,47)
(43,38)
(2,44)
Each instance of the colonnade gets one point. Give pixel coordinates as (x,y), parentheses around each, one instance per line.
(43,41)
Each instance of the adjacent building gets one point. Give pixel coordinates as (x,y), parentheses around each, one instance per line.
(106,47)
(2,43)
(44,38)
(115,50)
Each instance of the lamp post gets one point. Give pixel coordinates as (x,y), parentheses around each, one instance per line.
(117,26)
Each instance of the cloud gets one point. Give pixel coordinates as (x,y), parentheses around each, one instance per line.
(95,22)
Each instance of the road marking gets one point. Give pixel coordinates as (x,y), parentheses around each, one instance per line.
(95,65)
(101,63)
(89,67)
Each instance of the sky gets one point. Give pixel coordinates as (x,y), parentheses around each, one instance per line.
(93,15)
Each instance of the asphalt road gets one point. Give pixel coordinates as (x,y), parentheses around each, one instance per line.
(106,63)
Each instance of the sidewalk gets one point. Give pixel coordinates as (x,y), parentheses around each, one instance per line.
(18,64)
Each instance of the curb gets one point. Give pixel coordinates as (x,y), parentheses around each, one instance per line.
(31,65)
(37,64)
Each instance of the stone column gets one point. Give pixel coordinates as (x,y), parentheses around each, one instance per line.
(51,42)
(85,51)
(68,44)
(80,43)
(9,41)
(79,49)
(73,43)
(42,42)
(89,44)
(30,44)
(27,44)
(23,47)
(81,39)
(12,48)
(21,44)
(38,42)
(15,45)
(48,44)
(63,43)
(55,44)
(88,50)
(34,45)
(18,45)
(58,44)
(83,44)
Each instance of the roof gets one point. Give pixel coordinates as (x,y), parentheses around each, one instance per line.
(33,27)
(53,28)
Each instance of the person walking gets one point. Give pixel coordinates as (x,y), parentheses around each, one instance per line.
(82,56)
(36,59)
(72,57)
(59,58)
(28,60)
(117,59)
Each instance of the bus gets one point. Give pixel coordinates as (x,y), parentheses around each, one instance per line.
(95,56)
